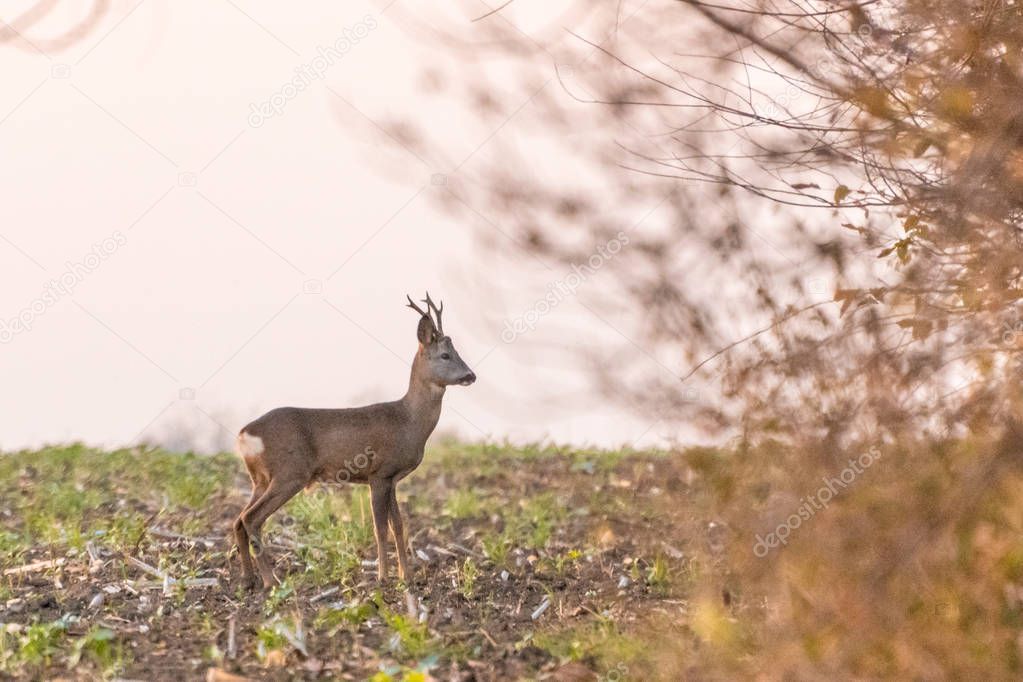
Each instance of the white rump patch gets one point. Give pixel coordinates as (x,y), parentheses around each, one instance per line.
(249,445)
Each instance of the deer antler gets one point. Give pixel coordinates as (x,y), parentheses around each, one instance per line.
(436,311)
(419,310)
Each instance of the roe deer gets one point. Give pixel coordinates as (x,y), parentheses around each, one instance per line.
(289,448)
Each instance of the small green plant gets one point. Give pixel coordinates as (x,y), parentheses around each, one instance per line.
(349,617)
(8,645)
(533,523)
(125,531)
(467,574)
(563,561)
(464,503)
(496,548)
(99,645)
(269,639)
(278,596)
(411,637)
(41,641)
(10,545)
(281,634)
(657,575)
(193,488)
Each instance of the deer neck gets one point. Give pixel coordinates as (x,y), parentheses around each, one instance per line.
(423,399)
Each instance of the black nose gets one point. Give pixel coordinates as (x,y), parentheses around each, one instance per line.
(469,378)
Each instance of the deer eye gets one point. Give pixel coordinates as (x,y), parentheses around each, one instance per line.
(445,356)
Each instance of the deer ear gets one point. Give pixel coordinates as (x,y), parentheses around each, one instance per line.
(426,332)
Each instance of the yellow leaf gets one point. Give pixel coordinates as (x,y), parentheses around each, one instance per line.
(712,624)
(847,297)
(874,100)
(956,102)
(841,192)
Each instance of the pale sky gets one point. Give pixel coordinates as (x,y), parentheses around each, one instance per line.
(251,262)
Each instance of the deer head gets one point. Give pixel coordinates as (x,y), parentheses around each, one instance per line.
(442,365)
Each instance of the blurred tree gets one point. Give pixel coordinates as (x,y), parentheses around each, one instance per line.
(21,31)
(900,120)
(837,257)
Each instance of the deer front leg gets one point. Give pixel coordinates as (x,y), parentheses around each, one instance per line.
(398,530)
(380,492)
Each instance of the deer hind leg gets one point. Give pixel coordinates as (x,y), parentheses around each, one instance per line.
(250,448)
(253,518)
(398,530)
(380,492)
(241,537)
